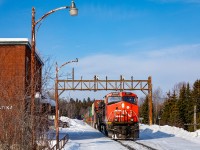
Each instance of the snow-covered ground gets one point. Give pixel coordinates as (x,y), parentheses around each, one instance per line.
(168,138)
(84,137)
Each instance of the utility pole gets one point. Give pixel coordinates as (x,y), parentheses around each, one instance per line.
(195,117)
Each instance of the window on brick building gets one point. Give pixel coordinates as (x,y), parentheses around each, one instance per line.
(27,67)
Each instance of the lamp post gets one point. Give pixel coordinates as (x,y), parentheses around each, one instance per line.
(159,120)
(73,12)
(57,97)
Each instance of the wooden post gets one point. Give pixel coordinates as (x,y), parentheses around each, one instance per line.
(150,101)
(57,108)
(33,139)
(195,117)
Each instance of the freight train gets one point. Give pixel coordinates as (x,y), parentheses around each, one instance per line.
(117,115)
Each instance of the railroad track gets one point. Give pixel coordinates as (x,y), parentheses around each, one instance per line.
(134,145)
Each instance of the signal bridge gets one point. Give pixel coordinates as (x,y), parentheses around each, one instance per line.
(115,85)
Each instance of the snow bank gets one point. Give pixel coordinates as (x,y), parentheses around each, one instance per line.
(198,133)
(65,119)
(72,146)
(73,122)
(156,131)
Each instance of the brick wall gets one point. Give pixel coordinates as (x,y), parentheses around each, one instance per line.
(15,68)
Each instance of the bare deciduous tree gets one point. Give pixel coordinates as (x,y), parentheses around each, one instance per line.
(15,119)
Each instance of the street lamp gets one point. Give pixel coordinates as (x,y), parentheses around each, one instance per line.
(56,98)
(73,12)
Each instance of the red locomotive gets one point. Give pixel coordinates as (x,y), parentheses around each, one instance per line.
(117,115)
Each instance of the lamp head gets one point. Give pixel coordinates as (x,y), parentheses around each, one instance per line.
(73,10)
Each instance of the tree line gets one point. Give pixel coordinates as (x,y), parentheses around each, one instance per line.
(177,108)
(74,108)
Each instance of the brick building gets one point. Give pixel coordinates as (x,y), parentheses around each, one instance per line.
(15,64)
(15,78)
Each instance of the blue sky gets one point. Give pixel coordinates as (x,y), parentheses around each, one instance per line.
(140,38)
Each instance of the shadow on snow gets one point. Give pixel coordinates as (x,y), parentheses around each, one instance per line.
(85,135)
(150,134)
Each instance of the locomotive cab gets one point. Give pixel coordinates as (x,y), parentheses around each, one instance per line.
(124,96)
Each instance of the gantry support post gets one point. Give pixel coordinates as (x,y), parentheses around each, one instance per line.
(150,101)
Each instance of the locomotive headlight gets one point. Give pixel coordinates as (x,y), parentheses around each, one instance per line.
(116,119)
(132,119)
(122,105)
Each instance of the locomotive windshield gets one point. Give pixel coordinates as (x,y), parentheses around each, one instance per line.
(114,99)
(129,99)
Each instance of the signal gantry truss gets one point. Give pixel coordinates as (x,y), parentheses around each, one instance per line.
(99,85)
(115,85)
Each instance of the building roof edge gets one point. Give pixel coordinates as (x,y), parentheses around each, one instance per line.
(19,41)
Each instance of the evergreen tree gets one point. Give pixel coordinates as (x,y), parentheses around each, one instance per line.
(189,108)
(144,111)
(196,99)
(84,104)
(166,111)
(174,119)
(182,105)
